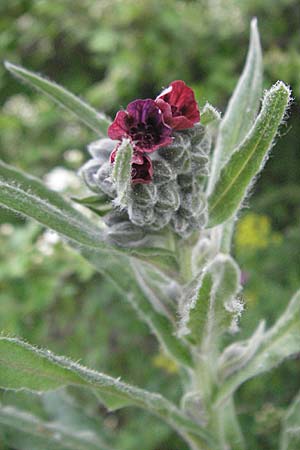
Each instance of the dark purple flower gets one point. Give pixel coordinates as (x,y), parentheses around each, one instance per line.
(141,167)
(179,106)
(143,123)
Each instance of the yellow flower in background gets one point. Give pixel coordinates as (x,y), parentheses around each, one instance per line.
(162,361)
(254,232)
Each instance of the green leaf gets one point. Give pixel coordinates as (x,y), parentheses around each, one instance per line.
(161,291)
(123,274)
(27,195)
(99,204)
(121,173)
(242,107)
(238,354)
(98,122)
(209,114)
(290,433)
(210,312)
(25,429)
(278,343)
(25,367)
(247,161)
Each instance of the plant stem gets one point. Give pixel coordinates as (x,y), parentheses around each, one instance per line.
(227,427)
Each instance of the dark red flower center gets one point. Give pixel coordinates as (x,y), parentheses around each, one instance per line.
(178,111)
(144,135)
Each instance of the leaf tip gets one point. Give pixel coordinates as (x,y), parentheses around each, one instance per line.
(8,65)
(254,27)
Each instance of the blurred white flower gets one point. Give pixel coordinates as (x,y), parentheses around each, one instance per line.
(47,241)
(73,156)
(20,106)
(6,229)
(61,179)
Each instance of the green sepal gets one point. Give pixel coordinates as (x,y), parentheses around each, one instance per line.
(121,173)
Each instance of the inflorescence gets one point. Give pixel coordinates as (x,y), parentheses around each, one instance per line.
(169,162)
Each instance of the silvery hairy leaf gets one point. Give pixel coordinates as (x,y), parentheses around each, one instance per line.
(212,307)
(242,108)
(248,160)
(98,122)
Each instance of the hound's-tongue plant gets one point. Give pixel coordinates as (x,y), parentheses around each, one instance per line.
(166,189)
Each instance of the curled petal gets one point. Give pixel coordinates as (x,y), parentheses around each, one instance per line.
(142,171)
(119,128)
(184,109)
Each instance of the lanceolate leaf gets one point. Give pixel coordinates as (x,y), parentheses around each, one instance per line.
(25,367)
(96,121)
(124,278)
(162,292)
(242,107)
(27,195)
(237,175)
(290,434)
(99,204)
(23,428)
(211,311)
(280,342)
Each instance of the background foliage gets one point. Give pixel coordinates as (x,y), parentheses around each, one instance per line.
(111,52)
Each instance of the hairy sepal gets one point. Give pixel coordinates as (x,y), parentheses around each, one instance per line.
(121,174)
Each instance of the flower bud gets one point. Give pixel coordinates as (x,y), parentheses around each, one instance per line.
(89,174)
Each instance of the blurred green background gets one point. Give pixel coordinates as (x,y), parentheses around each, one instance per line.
(111,52)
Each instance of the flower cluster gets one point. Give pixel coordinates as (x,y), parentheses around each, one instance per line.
(149,125)
(169,167)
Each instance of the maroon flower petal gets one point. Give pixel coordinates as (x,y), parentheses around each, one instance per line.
(184,108)
(142,171)
(118,129)
(113,154)
(143,123)
(147,128)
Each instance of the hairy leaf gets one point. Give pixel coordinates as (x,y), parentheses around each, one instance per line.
(27,195)
(99,204)
(25,367)
(161,291)
(23,428)
(210,312)
(237,355)
(98,122)
(280,342)
(124,278)
(237,175)
(290,434)
(242,107)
